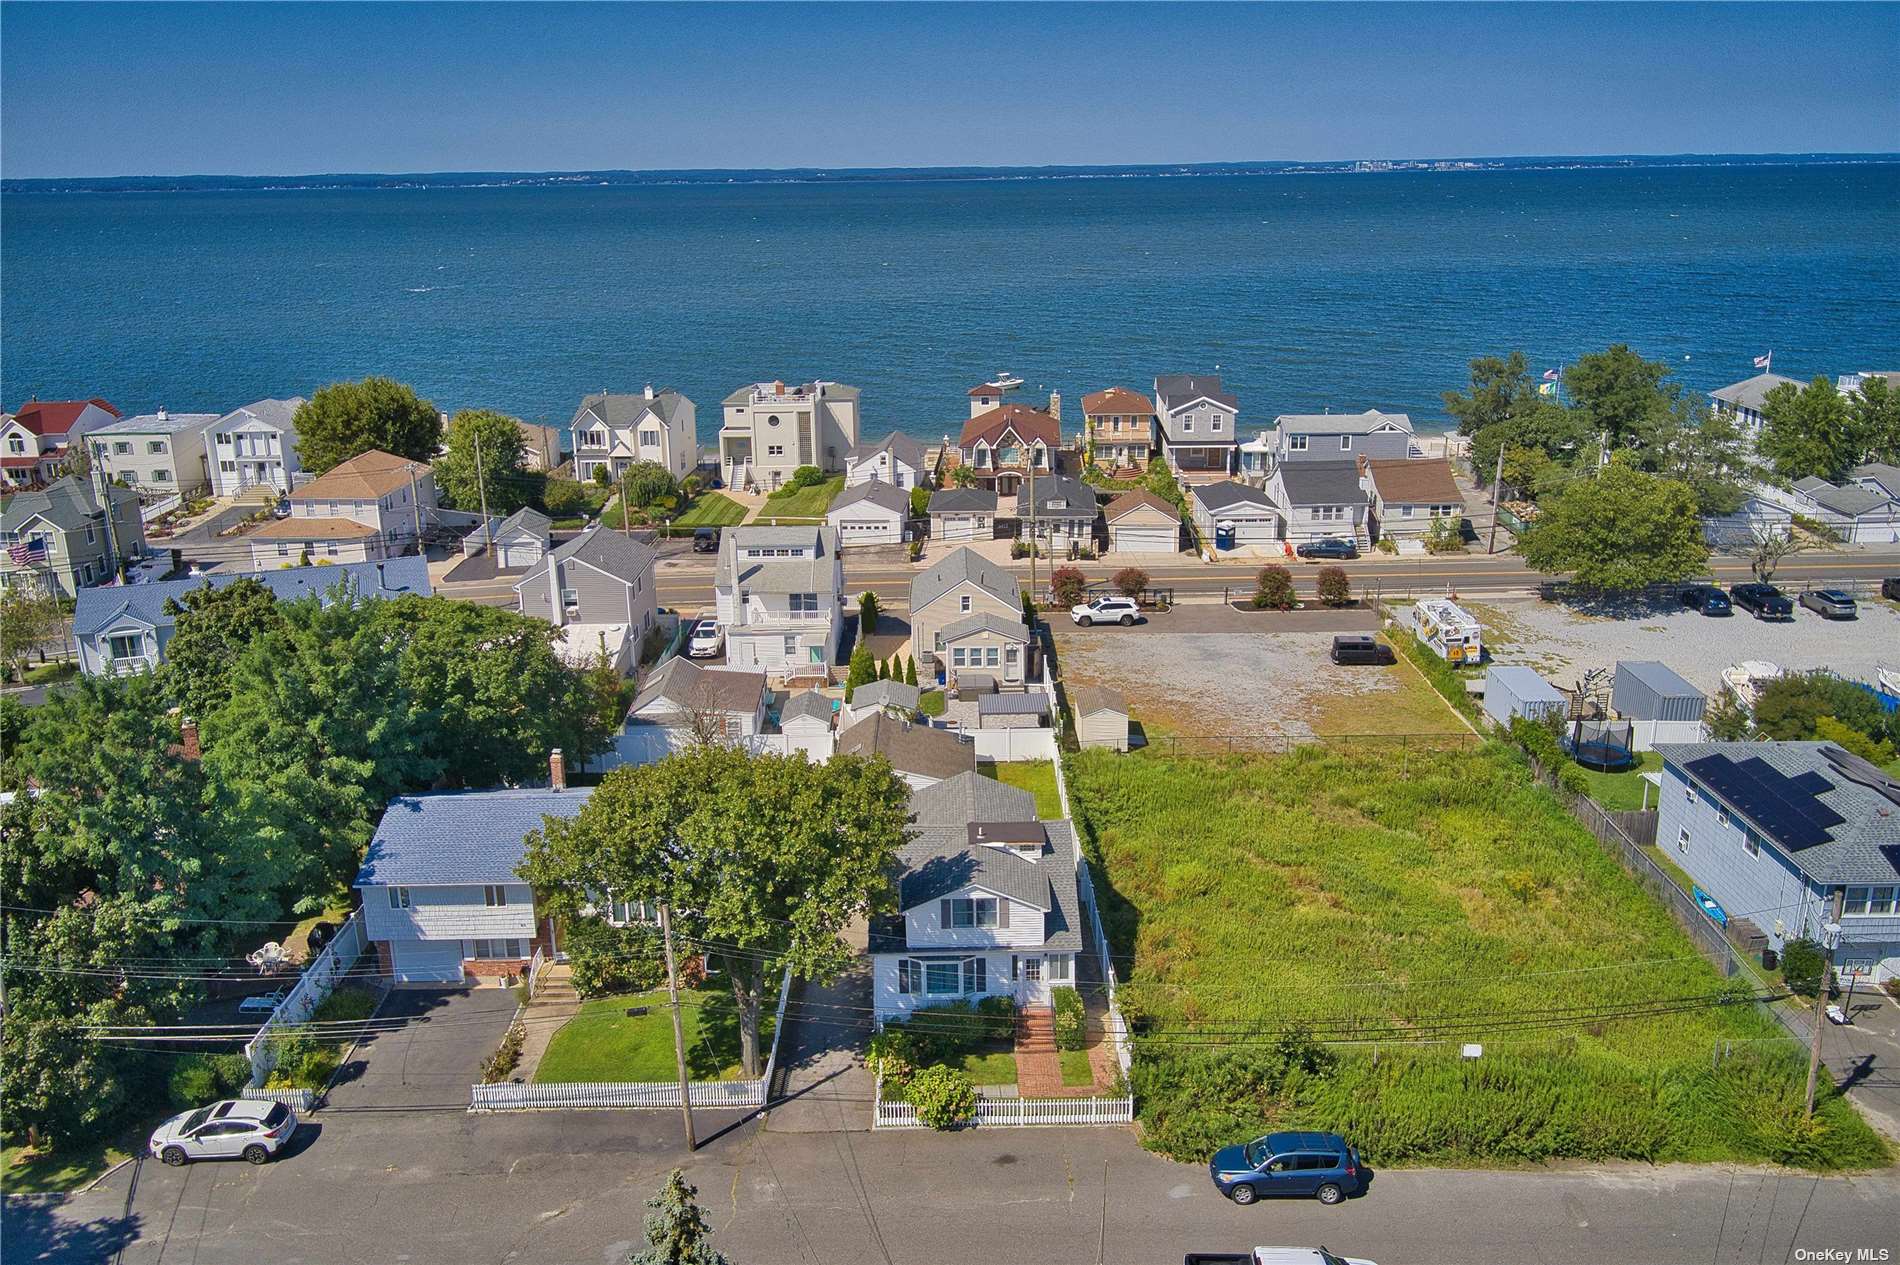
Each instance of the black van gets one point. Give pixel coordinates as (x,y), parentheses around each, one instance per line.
(1349,648)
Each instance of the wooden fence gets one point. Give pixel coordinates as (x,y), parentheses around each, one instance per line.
(1017,1112)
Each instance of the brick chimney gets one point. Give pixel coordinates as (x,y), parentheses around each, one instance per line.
(188,746)
(557,770)
(1055,405)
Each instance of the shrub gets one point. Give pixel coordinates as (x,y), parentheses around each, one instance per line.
(916,550)
(1130,581)
(910,670)
(1067,585)
(1274,589)
(867,613)
(1446,536)
(603,476)
(943,1096)
(499,1064)
(1801,965)
(1334,588)
(345,1005)
(1387,545)
(1029,609)
(198,1079)
(931,703)
(806,477)
(609,959)
(1572,780)
(1072,1019)
(562,497)
(1023,549)
(919,502)
(891,1055)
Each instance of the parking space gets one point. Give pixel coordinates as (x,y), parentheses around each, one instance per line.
(432,1056)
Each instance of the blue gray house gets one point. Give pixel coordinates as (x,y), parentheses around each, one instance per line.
(125,628)
(1772,830)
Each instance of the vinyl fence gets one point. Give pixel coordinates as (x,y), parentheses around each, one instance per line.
(317,982)
(1018,1112)
(300,1100)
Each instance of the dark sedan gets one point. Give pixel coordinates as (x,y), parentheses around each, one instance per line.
(1763,601)
(1331,547)
(1706,598)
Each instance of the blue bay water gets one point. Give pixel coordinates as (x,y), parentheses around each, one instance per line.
(1307,292)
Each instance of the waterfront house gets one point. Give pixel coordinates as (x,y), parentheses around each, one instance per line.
(255,447)
(1341,436)
(540,446)
(778,595)
(156,454)
(897,459)
(1118,431)
(872,513)
(1318,499)
(36,440)
(1000,447)
(1232,515)
(1141,522)
(598,590)
(772,429)
(985,396)
(1408,496)
(57,537)
(958,586)
(1743,400)
(1773,831)
(1199,424)
(963,514)
(375,505)
(1765,512)
(613,432)
(1063,515)
(918,753)
(126,627)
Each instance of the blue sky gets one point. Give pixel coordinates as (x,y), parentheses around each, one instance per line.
(280,89)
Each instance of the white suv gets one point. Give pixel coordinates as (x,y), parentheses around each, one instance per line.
(233,1129)
(1106,610)
(707,640)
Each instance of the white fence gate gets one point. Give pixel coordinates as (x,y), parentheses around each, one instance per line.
(1017,1112)
(318,981)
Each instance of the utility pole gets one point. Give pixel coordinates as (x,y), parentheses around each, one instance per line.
(415,503)
(481,489)
(1497,490)
(1830,936)
(625,526)
(1032,527)
(679,1037)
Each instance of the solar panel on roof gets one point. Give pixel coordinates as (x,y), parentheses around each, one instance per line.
(1784,808)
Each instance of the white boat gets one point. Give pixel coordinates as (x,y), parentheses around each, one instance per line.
(1745,679)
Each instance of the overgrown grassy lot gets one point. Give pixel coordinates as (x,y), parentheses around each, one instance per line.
(1035,776)
(603,1043)
(1313,936)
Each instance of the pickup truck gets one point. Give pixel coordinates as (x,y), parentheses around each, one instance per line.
(1275,1256)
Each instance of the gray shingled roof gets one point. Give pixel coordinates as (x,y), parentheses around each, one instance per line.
(1176,389)
(1865,848)
(963,565)
(969,797)
(67,503)
(532,521)
(687,686)
(904,448)
(624,410)
(806,703)
(886,694)
(1851,501)
(615,553)
(468,837)
(877,492)
(986,621)
(1077,498)
(1341,423)
(1216,498)
(940,859)
(911,748)
(1322,483)
(816,574)
(963,501)
(99,608)
(1750,392)
(1879,472)
(278,414)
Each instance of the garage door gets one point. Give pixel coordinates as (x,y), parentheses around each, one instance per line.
(426,961)
(1146,539)
(868,531)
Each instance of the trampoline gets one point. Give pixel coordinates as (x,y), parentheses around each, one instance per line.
(1607,746)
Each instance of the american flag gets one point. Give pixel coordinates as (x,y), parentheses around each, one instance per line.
(1551,375)
(25,551)
(1762,362)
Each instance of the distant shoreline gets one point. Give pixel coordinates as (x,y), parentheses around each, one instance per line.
(910,175)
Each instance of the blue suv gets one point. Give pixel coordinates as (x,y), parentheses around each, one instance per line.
(1320,1165)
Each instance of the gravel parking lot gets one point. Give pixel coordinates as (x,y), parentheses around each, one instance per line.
(1562,644)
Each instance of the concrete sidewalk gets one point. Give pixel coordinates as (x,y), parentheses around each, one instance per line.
(553,1005)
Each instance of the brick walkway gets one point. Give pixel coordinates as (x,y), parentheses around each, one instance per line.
(1038,1069)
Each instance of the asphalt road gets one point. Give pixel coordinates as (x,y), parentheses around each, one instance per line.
(440,1186)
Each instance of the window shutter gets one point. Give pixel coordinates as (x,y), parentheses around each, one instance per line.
(903,975)
(982,975)
(1002,912)
(943,913)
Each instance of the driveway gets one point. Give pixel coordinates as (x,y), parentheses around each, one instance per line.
(432,1058)
(1864,1056)
(827,1087)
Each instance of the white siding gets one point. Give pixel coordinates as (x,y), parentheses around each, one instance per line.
(921,925)
(448,913)
(1137,538)
(1103,729)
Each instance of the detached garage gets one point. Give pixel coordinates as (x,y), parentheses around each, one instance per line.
(521,539)
(871,513)
(1141,522)
(1234,515)
(963,514)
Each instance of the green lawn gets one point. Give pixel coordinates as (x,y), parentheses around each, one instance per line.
(1620,792)
(1075,1068)
(811,502)
(1319,893)
(711,509)
(24,1172)
(51,673)
(994,1068)
(601,1043)
(1037,776)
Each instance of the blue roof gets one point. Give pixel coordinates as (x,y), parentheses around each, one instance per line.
(460,837)
(100,608)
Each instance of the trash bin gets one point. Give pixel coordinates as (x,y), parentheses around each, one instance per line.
(1769,959)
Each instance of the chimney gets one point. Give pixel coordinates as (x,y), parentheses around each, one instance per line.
(382,581)
(161,413)
(778,388)
(1055,405)
(557,770)
(188,746)
(557,613)
(649,390)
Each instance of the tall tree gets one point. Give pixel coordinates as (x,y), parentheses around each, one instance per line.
(1500,387)
(647,483)
(215,627)
(1704,450)
(1617,531)
(764,859)
(29,615)
(1621,394)
(1543,426)
(497,474)
(1875,406)
(347,419)
(1810,431)
(676,1229)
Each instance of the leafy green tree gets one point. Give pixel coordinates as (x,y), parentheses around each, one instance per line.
(919,502)
(805,477)
(1790,707)
(765,858)
(677,1231)
(963,477)
(1810,431)
(1705,451)
(1620,393)
(1561,435)
(562,498)
(1726,719)
(347,419)
(497,474)
(1500,387)
(29,615)
(1876,418)
(1621,530)
(1335,589)
(1273,589)
(215,627)
(648,483)
(1876,751)
(862,670)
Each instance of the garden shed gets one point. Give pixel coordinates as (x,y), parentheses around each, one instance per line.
(1514,690)
(1659,704)
(1101,717)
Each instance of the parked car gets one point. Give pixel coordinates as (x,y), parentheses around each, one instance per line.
(1708,599)
(1763,601)
(1330,547)
(236,1128)
(706,540)
(1276,1256)
(707,640)
(1321,1165)
(1352,648)
(1890,588)
(1106,610)
(263,1003)
(1830,604)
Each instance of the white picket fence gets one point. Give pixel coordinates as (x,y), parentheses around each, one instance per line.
(301,1100)
(1018,1112)
(316,983)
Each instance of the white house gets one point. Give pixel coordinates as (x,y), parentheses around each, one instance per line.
(255,446)
(778,594)
(806,720)
(372,506)
(156,454)
(1743,400)
(1408,496)
(957,587)
(612,432)
(1319,499)
(772,429)
(897,459)
(987,902)
(35,442)
(441,894)
(1765,513)
(870,513)
(1234,515)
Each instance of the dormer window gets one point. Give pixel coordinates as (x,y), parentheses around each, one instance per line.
(975,911)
